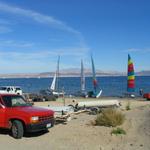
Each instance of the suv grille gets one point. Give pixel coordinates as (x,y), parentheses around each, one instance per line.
(45,118)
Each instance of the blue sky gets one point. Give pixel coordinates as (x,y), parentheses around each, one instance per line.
(33,33)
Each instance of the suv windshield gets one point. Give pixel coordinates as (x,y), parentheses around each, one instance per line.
(3,88)
(18,88)
(14,100)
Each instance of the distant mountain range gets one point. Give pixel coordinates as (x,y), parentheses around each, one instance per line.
(74,72)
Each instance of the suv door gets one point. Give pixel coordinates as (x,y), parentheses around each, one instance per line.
(2,114)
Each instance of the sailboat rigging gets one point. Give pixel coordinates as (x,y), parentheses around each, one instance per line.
(55,83)
(82,92)
(82,78)
(95,83)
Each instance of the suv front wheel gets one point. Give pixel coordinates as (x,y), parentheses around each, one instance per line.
(17,129)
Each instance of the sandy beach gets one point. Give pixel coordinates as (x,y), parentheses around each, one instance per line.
(79,134)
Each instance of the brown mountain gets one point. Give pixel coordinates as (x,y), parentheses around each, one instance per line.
(73,72)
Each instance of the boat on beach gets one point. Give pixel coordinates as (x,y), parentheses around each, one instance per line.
(96,92)
(54,88)
(130,79)
(83,92)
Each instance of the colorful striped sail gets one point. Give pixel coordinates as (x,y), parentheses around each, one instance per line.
(95,84)
(131,76)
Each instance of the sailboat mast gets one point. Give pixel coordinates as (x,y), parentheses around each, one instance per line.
(94,76)
(57,74)
(82,77)
(131,76)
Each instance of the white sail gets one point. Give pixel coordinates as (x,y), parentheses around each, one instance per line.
(53,85)
(82,77)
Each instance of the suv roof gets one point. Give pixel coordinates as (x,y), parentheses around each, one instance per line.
(11,86)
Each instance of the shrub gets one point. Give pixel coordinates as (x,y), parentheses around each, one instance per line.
(128,106)
(110,117)
(118,131)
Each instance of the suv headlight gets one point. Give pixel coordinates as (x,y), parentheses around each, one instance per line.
(34,119)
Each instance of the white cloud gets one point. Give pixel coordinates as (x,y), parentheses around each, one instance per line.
(39,61)
(4,22)
(12,43)
(137,50)
(43,54)
(39,58)
(43,19)
(4,29)
(40,18)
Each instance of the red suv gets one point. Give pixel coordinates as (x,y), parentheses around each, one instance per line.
(19,116)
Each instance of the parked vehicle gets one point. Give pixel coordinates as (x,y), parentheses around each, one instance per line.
(147,96)
(11,90)
(43,95)
(19,116)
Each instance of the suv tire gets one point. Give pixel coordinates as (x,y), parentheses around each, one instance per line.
(17,129)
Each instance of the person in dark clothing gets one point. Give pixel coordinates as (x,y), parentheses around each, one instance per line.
(141,92)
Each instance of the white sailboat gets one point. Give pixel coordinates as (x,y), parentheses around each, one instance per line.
(82,78)
(83,92)
(55,83)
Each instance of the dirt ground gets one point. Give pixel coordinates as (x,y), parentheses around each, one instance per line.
(79,134)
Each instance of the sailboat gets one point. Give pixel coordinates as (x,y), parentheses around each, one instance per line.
(82,78)
(130,78)
(83,93)
(96,93)
(55,83)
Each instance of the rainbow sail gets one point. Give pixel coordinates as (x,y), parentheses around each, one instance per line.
(131,76)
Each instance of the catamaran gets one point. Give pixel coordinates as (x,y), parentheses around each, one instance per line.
(96,93)
(130,78)
(55,83)
(82,78)
(83,93)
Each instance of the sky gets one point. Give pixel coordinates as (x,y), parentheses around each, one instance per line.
(33,33)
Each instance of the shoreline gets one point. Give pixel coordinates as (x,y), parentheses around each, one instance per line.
(61,76)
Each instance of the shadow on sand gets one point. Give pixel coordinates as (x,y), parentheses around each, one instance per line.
(35,134)
(5,131)
(26,135)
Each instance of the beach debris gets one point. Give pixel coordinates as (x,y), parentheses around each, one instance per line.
(64,113)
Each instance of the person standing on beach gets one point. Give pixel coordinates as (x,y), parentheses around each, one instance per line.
(141,92)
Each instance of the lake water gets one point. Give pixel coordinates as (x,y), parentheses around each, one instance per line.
(111,86)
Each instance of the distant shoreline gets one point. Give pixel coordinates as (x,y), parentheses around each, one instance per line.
(61,76)
(71,73)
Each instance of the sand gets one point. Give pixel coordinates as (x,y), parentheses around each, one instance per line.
(79,134)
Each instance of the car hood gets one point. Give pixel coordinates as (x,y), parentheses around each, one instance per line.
(34,111)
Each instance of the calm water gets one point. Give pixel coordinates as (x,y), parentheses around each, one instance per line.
(111,86)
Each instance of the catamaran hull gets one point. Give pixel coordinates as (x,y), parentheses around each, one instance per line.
(58,93)
(101,103)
